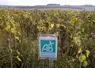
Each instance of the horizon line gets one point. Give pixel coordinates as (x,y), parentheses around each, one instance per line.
(52,4)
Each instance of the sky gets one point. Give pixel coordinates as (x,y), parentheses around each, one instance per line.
(44,2)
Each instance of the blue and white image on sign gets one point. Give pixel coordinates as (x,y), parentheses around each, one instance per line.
(48,48)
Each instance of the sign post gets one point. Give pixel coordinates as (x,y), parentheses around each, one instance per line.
(48,46)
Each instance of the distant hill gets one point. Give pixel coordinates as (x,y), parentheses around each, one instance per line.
(53,6)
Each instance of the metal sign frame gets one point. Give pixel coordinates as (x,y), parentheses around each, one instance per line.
(47,37)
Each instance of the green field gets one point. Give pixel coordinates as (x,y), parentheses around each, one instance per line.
(19,38)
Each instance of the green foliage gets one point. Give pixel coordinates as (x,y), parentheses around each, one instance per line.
(18,58)
(19,43)
(87,53)
(82,58)
(85,63)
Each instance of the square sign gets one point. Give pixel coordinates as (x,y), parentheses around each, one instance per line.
(48,46)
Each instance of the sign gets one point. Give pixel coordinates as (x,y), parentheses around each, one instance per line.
(48,46)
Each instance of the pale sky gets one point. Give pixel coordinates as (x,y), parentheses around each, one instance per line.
(44,2)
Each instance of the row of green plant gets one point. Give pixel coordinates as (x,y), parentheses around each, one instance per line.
(19,38)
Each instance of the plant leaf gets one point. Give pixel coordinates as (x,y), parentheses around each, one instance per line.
(18,58)
(8,27)
(85,63)
(87,53)
(82,58)
(79,51)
